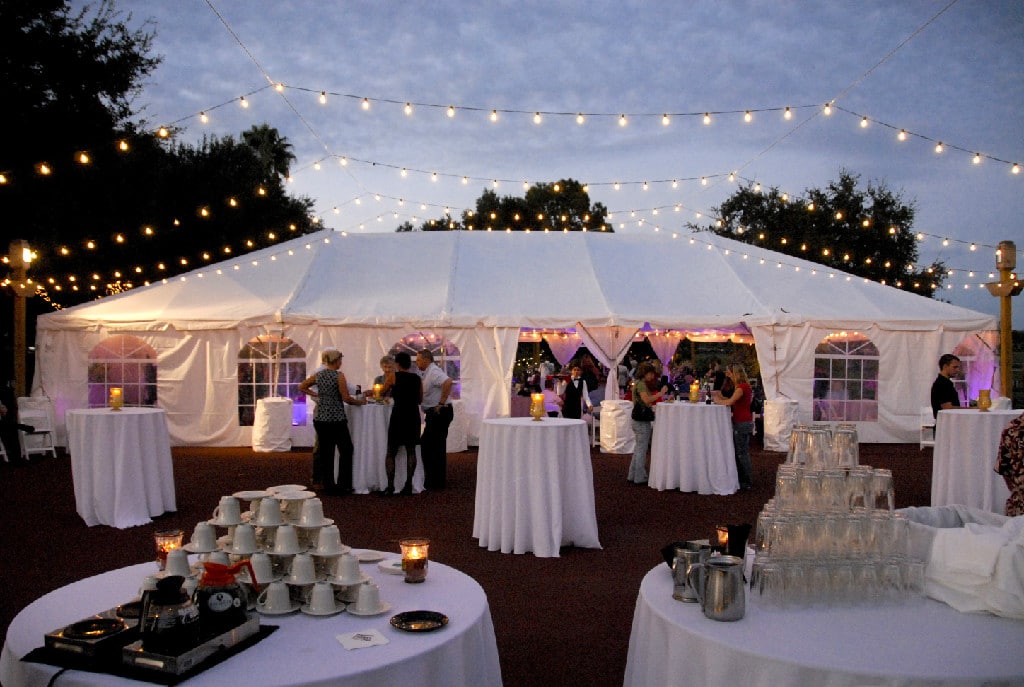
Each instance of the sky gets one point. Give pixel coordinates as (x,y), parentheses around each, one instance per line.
(944,71)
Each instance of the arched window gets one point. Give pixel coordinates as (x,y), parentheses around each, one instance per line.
(979,360)
(846,379)
(122,361)
(446,355)
(270,365)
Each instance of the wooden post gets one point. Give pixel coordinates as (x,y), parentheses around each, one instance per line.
(1008,286)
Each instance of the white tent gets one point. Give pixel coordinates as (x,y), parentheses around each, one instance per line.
(364,292)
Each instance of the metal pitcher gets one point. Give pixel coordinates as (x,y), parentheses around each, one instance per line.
(719,583)
(685,559)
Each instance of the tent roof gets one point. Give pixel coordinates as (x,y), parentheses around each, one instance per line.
(537,279)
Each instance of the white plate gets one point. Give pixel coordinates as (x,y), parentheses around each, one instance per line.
(338,609)
(251,494)
(339,582)
(294,495)
(292,581)
(370,556)
(315,526)
(218,522)
(334,554)
(391,566)
(190,547)
(286,487)
(383,608)
(295,606)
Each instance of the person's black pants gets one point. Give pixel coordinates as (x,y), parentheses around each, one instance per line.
(434,447)
(331,437)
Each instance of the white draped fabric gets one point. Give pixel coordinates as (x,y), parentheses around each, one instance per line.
(664,345)
(563,346)
(609,346)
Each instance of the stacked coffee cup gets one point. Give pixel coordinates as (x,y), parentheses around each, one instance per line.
(830,536)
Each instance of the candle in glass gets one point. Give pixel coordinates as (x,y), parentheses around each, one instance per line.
(537,406)
(414,559)
(116,398)
(378,389)
(694,392)
(723,535)
(166,541)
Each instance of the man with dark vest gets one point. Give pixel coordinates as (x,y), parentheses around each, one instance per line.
(576,395)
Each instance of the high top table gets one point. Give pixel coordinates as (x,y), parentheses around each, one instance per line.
(303,652)
(964,458)
(368,426)
(534,486)
(120,465)
(925,644)
(692,449)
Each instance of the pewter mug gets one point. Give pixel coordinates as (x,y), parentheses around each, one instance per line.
(684,561)
(719,583)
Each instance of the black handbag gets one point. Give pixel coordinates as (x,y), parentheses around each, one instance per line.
(642,412)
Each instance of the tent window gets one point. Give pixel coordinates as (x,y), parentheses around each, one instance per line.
(846,379)
(446,355)
(122,361)
(270,365)
(979,360)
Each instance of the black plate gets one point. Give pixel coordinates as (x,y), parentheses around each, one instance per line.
(93,628)
(419,621)
(131,610)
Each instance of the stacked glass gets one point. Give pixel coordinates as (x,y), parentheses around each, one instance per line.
(830,535)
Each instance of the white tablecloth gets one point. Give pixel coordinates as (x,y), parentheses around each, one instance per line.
(120,465)
(303,651)
(368,426)
(458,430)
(927,644)
(617,427)
(692,449)
(534,486)
(964,458)
(272,425)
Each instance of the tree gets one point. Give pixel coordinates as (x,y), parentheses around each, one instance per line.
(273,150)
(560,206)
(864,231)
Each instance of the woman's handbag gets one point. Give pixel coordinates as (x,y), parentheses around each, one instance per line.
(642,412)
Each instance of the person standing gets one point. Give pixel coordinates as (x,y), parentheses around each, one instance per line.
(406,390)
(645,395)
(331,424)
(437,414)
(576,394)
(1011,465)
(742,420)
(944,395)
(387,365)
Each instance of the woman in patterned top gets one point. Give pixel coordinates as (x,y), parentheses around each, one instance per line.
(1011,464)
(331,424)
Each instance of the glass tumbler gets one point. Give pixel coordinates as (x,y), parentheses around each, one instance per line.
(882,489)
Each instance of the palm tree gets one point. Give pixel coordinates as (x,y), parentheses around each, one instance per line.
(273,149)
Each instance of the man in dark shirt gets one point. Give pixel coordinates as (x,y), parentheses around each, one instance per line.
(944,394)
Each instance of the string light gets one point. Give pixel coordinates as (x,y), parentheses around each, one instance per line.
(203,118)
(788,114)
(622,120)
(707,118)
(537,118)
(323,97)
(747,117)
(494,115)
(902,135)
(580,118)
(665,120)
(366,103)
(451,111)
(243,102)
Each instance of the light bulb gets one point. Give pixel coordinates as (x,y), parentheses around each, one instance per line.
(977,159)
(675,183)
(1015,169)
(536,118)
(645,186)
(938,147)
(279,87)
(83,158)
(405,173)
(864,123)
(43,169)
(433,177)
(316,166)
(343,161)
(622,120)
(828,109)
(788,114)
(408,108)
(243,102)
(451,111)
(465,180)
(615,186)
(902,135)
(122,145)
(494,115)
(580,118)
(323,97)
(747,117)
(366,103)
(162,132)
(703,181)
(664,120)
(707,117)
(203,118)
(732,176)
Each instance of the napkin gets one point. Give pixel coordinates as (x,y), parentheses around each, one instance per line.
(362,639)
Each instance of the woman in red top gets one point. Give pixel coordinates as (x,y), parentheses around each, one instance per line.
(742,420)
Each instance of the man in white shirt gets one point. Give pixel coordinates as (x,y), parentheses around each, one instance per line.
(437,411)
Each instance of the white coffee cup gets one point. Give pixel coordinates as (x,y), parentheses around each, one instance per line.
(216,557)
(262,567)
(148,584)
(228,511)
(348,568)
(321,598)
(244,542)
(275,598)
(269,512)
(286,541)
(204,537)
(303,570)
(368,600)
(177,563)
(328,541)
(312,514)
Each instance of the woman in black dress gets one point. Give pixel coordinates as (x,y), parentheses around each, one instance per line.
(406,391)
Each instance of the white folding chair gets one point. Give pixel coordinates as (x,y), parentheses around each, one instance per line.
(36,412)
(927,427)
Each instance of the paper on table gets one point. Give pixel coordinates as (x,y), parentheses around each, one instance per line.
(362,639)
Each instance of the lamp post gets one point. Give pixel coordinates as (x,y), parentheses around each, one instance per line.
(1008,286)
(19,257)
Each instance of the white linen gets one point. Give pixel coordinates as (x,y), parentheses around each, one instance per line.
(535,486)
(120,465)
(616,427)
(458,430)
(368,426)
(920,645)
(303,651)
(692,449)
(779,417)
(964,459)
(272,425)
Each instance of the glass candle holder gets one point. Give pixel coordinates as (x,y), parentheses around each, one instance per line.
(378,390)
(166,541)
(116,398)
(414,559)
(537,406)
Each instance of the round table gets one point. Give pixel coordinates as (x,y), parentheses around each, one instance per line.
(617,426)
(692,449)
(914,645)
(963,462)
(272,425)
(368,426)
(534,486)
(120,465)
(303,651)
